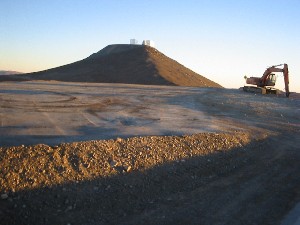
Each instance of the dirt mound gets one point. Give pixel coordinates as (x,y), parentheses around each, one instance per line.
(129,64)
(33,166)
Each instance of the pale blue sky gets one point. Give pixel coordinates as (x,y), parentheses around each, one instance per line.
(221,40)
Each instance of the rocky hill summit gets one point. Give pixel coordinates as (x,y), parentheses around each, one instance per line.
(123,63)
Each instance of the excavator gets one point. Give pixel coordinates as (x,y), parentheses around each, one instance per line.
(265,83)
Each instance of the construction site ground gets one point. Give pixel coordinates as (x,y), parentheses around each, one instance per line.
(86,153)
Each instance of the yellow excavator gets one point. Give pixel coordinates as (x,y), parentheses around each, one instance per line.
(265,83)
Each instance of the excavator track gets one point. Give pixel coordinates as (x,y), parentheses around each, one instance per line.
(253,89)
(261,90)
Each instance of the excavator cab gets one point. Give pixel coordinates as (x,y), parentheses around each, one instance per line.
(271,81)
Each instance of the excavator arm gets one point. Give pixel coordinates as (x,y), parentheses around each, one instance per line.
(286,80)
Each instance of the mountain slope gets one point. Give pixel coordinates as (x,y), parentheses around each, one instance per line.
(130,64)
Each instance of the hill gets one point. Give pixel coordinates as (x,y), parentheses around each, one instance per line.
(129,64)
(8,72)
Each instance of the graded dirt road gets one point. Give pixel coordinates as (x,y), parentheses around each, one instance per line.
(159,155)
(51,113)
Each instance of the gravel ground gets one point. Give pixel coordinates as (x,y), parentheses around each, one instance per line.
(245,170)
(208,178)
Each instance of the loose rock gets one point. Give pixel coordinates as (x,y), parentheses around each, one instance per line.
(4,196)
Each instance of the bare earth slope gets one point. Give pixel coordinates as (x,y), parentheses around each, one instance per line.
(245,170)
(129,64)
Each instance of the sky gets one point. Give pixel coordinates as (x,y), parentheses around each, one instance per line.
(223,40)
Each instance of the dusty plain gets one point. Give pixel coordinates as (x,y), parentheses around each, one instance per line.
(87,153)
